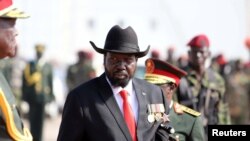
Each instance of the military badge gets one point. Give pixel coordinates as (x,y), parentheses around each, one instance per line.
(150,66)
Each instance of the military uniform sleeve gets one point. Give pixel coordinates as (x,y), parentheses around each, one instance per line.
(223,114)
(198,133)
(50,89)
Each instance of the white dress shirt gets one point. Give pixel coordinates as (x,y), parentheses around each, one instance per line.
(132,99)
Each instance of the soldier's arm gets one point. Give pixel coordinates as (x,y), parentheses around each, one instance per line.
(223,115)
(50,85)
(184,95)
(69,78)
(198,133)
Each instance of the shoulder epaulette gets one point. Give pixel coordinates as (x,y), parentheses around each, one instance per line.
(190,111)
(179,109)
(10,122)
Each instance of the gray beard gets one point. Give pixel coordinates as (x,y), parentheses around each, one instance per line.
(117,82)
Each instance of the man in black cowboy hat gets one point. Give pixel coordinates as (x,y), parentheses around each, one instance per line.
(116,106)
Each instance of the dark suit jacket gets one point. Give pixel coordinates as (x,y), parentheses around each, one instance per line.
(91,113)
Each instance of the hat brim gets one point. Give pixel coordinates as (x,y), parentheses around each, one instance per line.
(158,79)
(13,12)
(103,51)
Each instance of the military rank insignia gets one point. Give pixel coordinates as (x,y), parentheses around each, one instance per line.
(179,109)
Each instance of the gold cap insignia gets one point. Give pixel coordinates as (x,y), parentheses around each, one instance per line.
(150,66)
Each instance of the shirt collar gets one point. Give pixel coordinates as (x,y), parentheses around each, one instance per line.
(116,90)
(171,104)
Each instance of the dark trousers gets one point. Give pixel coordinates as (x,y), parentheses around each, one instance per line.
(36,118)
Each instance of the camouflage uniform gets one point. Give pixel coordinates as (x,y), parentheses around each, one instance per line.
(170,56)
(206,96)
(80,72)
(12,70)
(238,97)
(203,89)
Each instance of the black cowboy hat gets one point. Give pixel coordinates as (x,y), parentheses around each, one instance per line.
(121,40)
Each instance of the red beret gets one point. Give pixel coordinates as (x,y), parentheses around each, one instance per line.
(199,41)
(171,48)
(221,59)
(155,54)
(160,72)
(82,54)
(247,42)
(89,55)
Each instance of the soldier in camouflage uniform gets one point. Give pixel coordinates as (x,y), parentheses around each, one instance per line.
(203,89)
(81,71)
(238,94)
(171,55)
(37,90)
(155,54)
(12,70)
(11,126)
(186,122)
(247,71)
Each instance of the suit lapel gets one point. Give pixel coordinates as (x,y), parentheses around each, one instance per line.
(108,98)
(142,105)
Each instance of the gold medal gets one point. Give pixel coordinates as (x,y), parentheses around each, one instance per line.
(158,116)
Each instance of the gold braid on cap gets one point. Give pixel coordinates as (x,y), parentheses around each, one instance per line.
(10,124)
(158,79)
(15,13)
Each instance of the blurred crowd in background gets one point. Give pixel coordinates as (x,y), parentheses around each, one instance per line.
(236,73)
(58,81)
(159,23)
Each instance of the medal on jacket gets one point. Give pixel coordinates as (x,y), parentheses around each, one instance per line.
(151,117)
(156,112)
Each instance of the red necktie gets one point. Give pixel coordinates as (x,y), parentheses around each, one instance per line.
(128,115)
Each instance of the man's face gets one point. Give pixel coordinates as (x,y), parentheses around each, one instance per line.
(39,54)
(198,56)
(119,68)
(8,33)
(168,89)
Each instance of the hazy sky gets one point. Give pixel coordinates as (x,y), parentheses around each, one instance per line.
(66,26)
